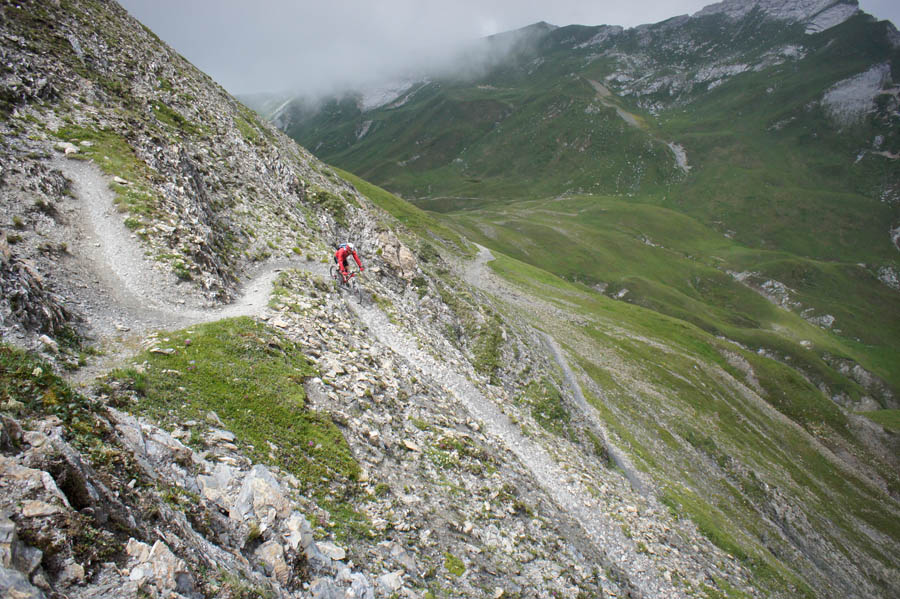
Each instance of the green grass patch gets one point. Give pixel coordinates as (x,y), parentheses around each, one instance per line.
(415,219)
(486,348)
(252,377)
(672,264)
(115,157)
(348,524)
(547,407)
(171,117)
(334,204)
(889,419)
(718,528)
(30,387)
(455,566)
(249,131)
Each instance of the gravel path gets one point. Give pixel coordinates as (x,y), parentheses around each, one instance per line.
(477,274)
(615,454)
(124,295)
(576,500)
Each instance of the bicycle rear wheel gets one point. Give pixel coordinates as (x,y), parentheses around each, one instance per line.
(335,276)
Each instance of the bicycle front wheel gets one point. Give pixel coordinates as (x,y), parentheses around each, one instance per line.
(353,287)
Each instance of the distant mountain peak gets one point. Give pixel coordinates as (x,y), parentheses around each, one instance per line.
(544,25)
(817,15)
(529,31)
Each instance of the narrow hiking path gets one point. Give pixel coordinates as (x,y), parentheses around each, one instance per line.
(123,293)
(590,412)
(133,282)
(604,95)
(620,552)
(477,274)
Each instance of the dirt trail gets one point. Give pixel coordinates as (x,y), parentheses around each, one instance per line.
(477,274)
(570,494)
(127,295)
(590,412)
(604,95)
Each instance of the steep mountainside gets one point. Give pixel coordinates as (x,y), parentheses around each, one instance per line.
(737,169)
(190,407)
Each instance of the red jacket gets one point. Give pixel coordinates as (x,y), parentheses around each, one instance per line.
(341,256)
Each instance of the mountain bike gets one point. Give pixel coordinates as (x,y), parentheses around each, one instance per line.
(349,285)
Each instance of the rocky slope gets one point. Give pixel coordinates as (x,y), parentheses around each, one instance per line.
(255,441)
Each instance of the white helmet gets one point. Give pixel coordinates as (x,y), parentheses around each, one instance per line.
(350,247)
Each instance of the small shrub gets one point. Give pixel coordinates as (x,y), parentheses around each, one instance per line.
(454,565)
(182,272)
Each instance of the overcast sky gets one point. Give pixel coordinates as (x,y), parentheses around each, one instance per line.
(311,46)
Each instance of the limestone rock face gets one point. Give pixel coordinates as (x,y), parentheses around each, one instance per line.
(260,497)
(822,13)
(158,566)
(397,255)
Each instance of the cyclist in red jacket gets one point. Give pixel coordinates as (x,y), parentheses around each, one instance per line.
(344,251)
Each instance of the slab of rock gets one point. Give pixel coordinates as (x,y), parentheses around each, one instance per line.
(159,565)
(8,540)
(261,496)
(392,582)
(164,450)
(397,255)
(65,147)
(219,486)
(129,430)
(271,556)
(49,343)
(299,533)
(39,509)
(14,585)
(216,436)
(331,550)
(214,419)
(325,588)
(72,573)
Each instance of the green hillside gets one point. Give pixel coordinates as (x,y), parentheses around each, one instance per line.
(661,259)
(730,435)
(563,155)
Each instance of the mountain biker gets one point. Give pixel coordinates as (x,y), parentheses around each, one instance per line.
(344,251)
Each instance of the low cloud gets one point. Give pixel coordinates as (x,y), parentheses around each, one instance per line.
(314,47)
